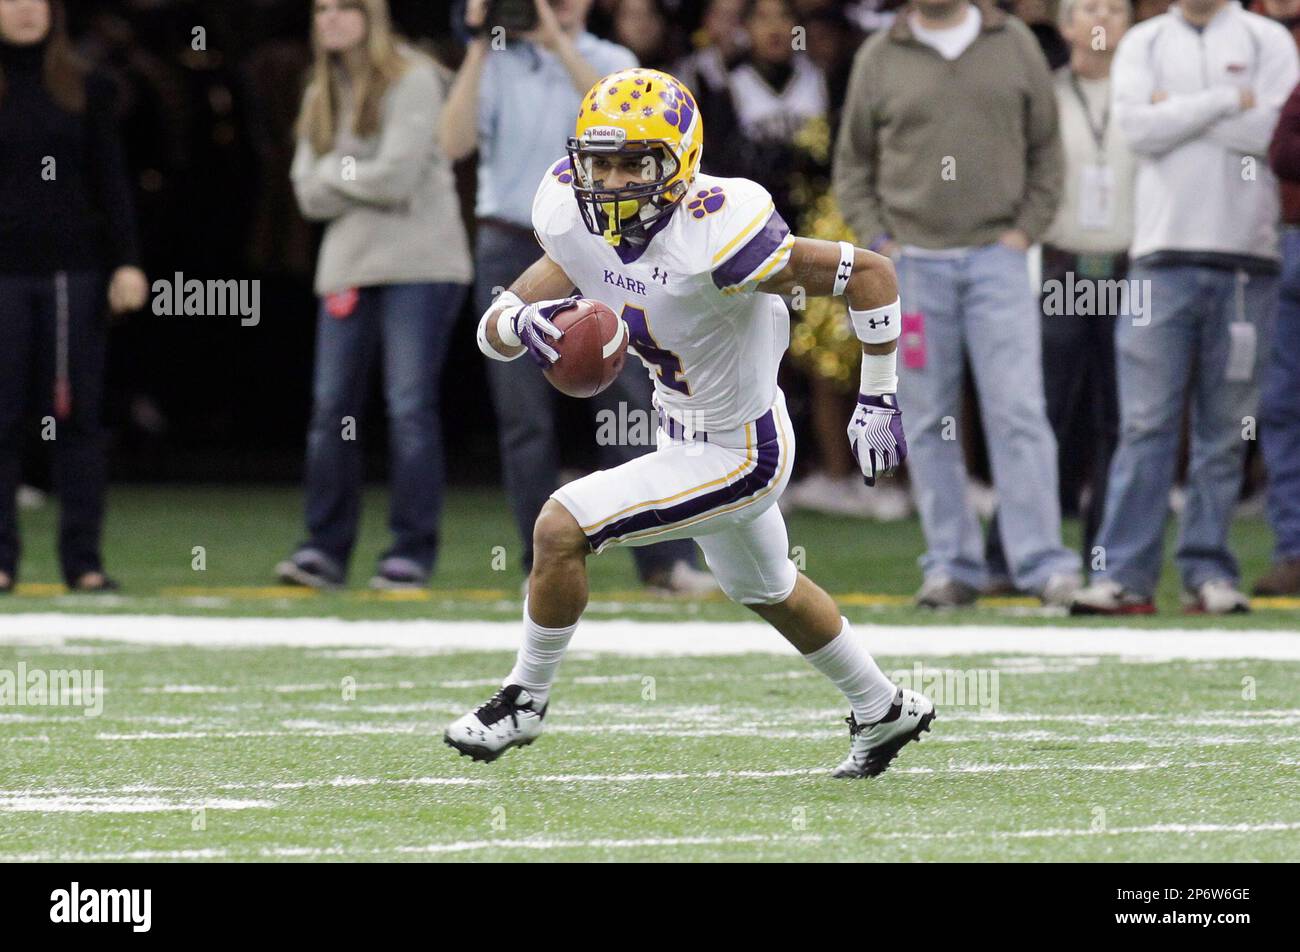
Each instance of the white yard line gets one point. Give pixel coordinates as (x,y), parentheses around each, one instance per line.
(670,731)
(462,846)
(646,638)
(64,803)
(1178,829)
(854,837)
(621,779)
(133,856)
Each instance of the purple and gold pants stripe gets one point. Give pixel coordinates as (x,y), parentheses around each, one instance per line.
(763,464)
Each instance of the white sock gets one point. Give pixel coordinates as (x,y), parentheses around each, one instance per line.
(539,657)
(851,669)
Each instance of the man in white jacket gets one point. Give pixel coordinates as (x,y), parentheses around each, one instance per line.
(1197,93)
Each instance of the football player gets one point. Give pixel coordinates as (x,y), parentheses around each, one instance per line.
(696,266)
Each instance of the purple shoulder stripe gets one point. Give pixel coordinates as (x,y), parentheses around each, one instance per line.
(758,249)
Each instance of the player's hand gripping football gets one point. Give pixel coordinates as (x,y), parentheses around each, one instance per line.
(532,324)
(876,436)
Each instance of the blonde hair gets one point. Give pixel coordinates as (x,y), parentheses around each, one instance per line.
(384,65)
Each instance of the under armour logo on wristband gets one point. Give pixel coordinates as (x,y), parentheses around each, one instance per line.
(846,271)
(883,322)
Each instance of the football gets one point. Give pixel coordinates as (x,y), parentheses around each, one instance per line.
(592,350)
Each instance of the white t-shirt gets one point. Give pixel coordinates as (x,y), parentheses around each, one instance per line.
(952,41)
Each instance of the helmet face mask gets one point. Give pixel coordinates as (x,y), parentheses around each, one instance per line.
(635,152)
(609,210)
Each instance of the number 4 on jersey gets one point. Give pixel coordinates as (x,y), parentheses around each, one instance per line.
(668,366)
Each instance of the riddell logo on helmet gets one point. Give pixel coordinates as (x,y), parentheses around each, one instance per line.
(604,135)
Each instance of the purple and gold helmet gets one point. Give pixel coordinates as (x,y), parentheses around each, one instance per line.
(642,112)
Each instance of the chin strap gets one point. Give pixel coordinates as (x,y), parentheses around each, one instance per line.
(615,212)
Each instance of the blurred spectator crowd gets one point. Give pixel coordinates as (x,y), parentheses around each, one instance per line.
(1072,162)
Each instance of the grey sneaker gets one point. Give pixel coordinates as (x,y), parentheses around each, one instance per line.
(940,591)
(1108,597)
(1218,596)
(397,574)
(1060,589)
(311,569)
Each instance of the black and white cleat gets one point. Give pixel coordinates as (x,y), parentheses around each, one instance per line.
(507,719)
(872,747)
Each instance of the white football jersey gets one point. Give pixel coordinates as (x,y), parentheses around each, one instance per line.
(711,342)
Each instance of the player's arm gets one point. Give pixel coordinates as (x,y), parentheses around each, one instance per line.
(815,266)
(518,319)
(868,283)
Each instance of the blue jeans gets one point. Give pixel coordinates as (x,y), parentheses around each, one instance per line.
(1181,356)
(526,410)
(978,302)
(1279,412)
(411,324)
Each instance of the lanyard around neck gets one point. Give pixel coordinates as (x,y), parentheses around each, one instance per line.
(1098,130)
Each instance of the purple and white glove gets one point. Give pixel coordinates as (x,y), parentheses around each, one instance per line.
(531,325)
(876,435)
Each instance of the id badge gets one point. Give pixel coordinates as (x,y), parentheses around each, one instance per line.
(1096,197)
(1241,352)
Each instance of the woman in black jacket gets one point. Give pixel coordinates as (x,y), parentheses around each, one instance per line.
(67,247)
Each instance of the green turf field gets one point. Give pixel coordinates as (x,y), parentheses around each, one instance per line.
(305,748)
(719,758)
(152,534)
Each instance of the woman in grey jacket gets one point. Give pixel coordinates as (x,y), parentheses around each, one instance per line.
(391,277)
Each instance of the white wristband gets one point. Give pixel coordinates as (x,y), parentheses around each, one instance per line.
(879,325)
(509,302)
(879,373)
(501,310)
(505,330)
(484,345)
(848,254)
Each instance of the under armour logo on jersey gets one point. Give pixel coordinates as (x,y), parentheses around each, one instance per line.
(660,276)
(883,322)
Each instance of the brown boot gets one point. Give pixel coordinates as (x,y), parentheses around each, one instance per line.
(1282,579)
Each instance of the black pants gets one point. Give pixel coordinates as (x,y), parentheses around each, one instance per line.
(52,347)
(1082,399)
(525,407)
